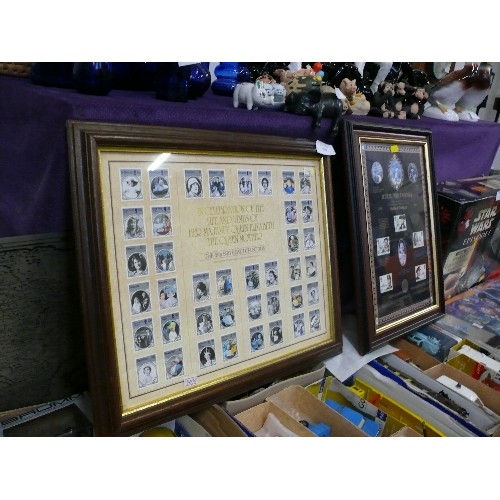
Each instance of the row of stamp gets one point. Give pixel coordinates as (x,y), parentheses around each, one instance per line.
(259,339)
(165,261)
(134,225)
(168,289)
(416,238)
(395,172)
(386,282)
(213,184)
(298,269)
(255,309)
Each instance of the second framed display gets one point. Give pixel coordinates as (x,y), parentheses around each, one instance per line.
(208,265)
(394,230)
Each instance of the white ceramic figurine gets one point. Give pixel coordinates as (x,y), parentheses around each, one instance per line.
(253,95)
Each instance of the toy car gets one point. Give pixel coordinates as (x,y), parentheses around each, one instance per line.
(429,344)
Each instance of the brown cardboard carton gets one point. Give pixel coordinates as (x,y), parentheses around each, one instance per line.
(300,404)
(217,422)
(239,405)
(254,419)
(406,432)
(488,396)
(414,354)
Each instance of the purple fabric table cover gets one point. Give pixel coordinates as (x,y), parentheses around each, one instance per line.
(35,189)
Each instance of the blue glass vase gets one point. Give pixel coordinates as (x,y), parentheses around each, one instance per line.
(94,78)
(199,80)
(227,76)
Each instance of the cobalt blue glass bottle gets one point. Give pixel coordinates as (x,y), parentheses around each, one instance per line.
(149,71)
(172,82)
(199,80)
(95,78)
(227,76)
(123,76)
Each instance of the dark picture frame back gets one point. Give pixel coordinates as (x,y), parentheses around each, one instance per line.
(388,172)
(123,403)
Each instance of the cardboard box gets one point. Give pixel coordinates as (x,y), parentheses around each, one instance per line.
(217,422)
(406,432)
(469,214)
(254,419)
(493,353)
(476,370)
(239,405)
(300,404)
(488,396)
(415,354)
(335,390)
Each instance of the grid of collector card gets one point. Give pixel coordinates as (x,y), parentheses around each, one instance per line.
(186,323)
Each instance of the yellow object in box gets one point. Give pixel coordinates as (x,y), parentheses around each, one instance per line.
(464,364)
(460,344)
(391,426)
(477,365)
(397,411)
(158,432)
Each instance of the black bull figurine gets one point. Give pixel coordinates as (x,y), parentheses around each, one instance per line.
(318,105)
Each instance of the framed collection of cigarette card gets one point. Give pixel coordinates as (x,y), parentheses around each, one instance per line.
(207,265)
(394,230)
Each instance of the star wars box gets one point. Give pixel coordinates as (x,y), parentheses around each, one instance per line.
(469,211)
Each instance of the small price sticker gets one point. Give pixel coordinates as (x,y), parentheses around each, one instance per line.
(190,381)
(498,196)
(394,148)
(324,149)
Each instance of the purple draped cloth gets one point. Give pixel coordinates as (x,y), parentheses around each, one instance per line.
(35,193)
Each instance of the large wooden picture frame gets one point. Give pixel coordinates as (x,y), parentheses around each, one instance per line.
(394,230)
(207,264)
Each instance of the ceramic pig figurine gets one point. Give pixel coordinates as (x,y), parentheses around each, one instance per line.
(253,95)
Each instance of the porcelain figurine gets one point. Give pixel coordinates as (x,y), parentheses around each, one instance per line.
(400,95)
(382,103)
(265,78)
(302,84)
(279,95)
(445,93)
(293,70)
(481,82)
(358,104)
(417,97)
(253,95)
(318,105)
